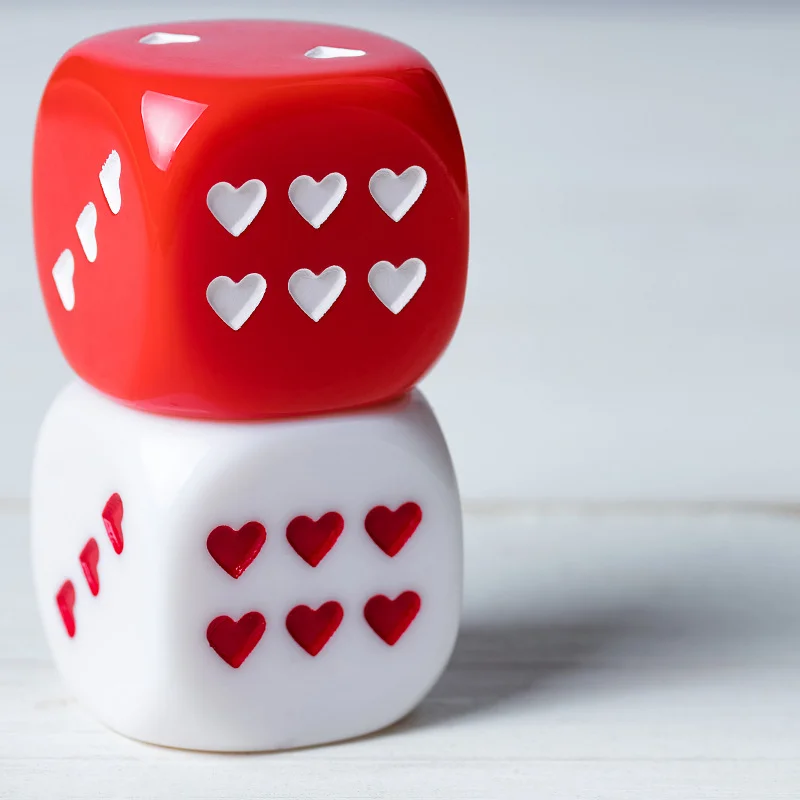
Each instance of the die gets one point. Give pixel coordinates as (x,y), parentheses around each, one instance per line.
(250,585)
(249,220)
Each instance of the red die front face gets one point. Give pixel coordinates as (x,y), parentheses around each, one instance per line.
(249,219)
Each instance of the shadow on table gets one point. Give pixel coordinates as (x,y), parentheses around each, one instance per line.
(496,662)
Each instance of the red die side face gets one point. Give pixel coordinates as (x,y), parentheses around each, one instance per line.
(280,227)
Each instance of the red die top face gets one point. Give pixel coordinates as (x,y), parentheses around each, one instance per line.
(249,219)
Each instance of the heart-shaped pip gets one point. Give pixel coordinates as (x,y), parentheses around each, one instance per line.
(112,520)
(234,640)
(88,559)
(233,208)
(315,294)
(315,202)
(109,181)
(390,530)
(390,619)
(395,194)
(65,602)
(395,287)
(313,628)
(63,273)
(312,540)
(235,550)
(85,227)
(234,302)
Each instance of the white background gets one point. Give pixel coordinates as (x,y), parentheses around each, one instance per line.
(631,327)
(622,400)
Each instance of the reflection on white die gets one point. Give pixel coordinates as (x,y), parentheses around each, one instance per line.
(246,586)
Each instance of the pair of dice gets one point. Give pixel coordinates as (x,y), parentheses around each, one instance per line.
(252,243)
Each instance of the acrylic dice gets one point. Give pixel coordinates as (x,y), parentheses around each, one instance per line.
(243,586)
(243,220)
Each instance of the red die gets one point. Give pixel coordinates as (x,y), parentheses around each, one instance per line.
(249,219)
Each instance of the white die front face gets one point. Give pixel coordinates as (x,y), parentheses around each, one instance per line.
(140,657)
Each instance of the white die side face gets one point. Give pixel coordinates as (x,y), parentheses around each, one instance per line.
(82,458)
(141,657)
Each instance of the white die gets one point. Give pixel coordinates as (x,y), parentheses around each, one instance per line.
(152,654)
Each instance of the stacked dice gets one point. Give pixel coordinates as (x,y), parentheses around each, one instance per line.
(252,243)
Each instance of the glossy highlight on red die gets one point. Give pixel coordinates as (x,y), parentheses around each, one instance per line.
(279,228)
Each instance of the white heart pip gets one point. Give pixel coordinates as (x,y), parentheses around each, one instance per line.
(63,272)
(109,181)
(315,202)
(395,287)
(235,302)
(315,294)
(233,208)
(86,227)
(395,194)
